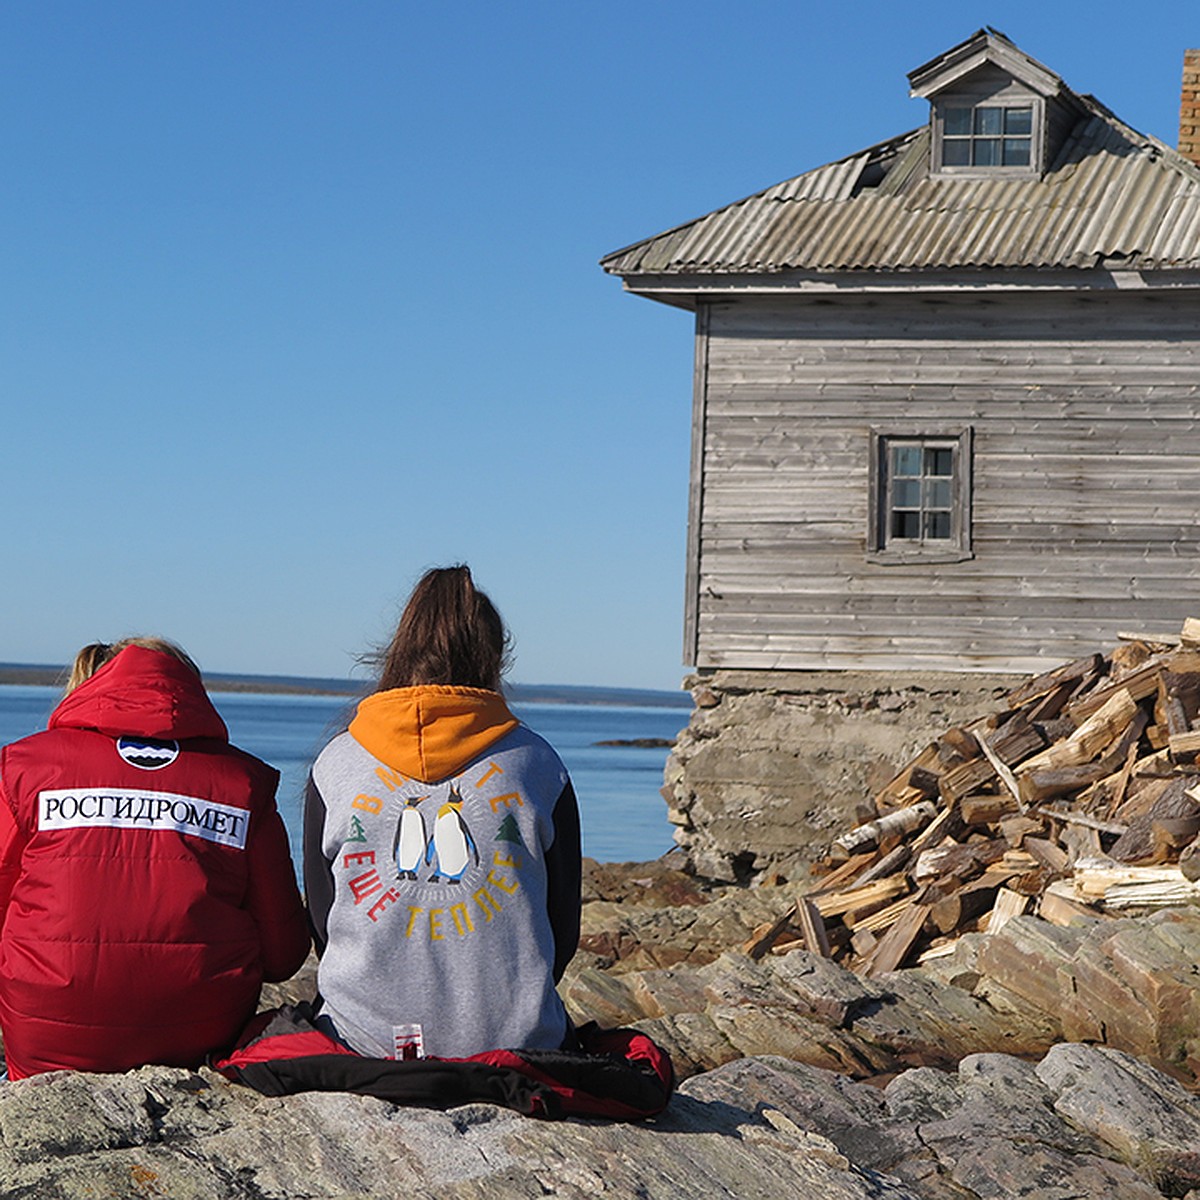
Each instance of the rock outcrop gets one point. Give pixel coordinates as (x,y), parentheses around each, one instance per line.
(680,973)
(1082,1122)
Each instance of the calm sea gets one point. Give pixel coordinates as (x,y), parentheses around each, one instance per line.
(624,817)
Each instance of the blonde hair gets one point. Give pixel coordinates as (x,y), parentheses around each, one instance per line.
(91,658)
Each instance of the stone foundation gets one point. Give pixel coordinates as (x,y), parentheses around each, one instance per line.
(774,764)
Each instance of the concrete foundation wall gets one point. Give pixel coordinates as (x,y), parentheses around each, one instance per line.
(773,764)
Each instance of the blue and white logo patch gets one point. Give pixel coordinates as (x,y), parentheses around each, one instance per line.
(150,754)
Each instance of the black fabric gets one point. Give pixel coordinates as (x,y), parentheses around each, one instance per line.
(564,880)
(427,1082)
(622,1080)
(596,1080)
(318,873)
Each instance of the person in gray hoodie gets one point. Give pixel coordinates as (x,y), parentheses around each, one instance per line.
(441,849)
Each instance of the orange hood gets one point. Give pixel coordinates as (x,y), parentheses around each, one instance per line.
(430,732)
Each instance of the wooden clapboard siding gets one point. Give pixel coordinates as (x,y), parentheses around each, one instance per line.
(1085,411)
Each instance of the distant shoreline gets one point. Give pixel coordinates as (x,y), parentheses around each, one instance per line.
(47,675)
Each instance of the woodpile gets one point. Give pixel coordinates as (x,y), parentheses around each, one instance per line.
(1080,798)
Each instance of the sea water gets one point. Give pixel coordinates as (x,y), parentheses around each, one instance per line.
(624,817)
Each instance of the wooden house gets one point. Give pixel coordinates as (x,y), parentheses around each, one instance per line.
(947,388)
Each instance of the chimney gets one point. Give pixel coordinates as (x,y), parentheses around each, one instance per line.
(1189,107)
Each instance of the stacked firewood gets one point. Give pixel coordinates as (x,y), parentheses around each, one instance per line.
(1081,797)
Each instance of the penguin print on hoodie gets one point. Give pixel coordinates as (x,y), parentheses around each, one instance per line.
(452,848)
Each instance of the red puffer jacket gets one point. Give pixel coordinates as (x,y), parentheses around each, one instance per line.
(146,889)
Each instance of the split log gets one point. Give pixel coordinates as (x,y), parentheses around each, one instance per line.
(1050,854)
(889,864)
(845,874)
(982,809)
(1135,887)
(1059,906)
(957,746)
(878,919)
(1014,830)
(961,780)
(1074,818)
(1002,770)
(958,859)
(832,904)
(1015,740)
(1139,684)
(1184,746)
(1008,904)
(894,947)
(1050,705)
(812,925)
(1099,730)
(951,913)
(763,938)
(901,790)
(1069,673)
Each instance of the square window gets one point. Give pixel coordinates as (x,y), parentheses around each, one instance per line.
(988,135)
(920,496)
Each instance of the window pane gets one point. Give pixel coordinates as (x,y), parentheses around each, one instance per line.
(1016,152)
(989,121)
(937,493)
(906,493)
(987,152)
(906,460)
(937,525)
(906,525)
(957,121)
(956,153)
(939,461)
(1018,120)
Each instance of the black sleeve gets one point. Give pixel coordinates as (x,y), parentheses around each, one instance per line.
(318,871)
(564,870)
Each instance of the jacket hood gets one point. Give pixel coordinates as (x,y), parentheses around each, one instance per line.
(145,693)
(430,732)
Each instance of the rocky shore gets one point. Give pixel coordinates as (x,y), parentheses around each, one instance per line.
(1038,1061)
(1044,1043)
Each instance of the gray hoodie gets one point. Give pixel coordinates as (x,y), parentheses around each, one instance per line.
(442,870)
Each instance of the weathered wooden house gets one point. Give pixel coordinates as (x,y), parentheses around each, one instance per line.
(947,388)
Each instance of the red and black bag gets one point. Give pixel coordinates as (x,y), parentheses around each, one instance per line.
(617,1073)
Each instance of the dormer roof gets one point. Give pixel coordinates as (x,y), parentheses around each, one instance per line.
(1107,197)
(986,46)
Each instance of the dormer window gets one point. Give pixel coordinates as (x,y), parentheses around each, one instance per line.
(988,135)
(994,110)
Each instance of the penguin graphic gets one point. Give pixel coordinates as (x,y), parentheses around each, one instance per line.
(409,843)
(452,845)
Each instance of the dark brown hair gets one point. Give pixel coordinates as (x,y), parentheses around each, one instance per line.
(449,633)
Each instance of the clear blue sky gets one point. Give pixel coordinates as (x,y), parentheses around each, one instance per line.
(299,299)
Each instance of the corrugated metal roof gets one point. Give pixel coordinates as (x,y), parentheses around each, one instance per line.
(1112,193)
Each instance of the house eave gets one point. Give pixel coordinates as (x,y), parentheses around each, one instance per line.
(686,290)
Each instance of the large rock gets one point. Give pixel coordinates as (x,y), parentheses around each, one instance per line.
(1084,1122)
(1129,983)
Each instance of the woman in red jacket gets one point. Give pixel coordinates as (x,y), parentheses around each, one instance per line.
(146,890)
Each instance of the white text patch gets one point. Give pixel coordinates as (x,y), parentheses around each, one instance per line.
(134,808)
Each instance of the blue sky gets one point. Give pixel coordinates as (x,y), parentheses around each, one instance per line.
(299,299)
